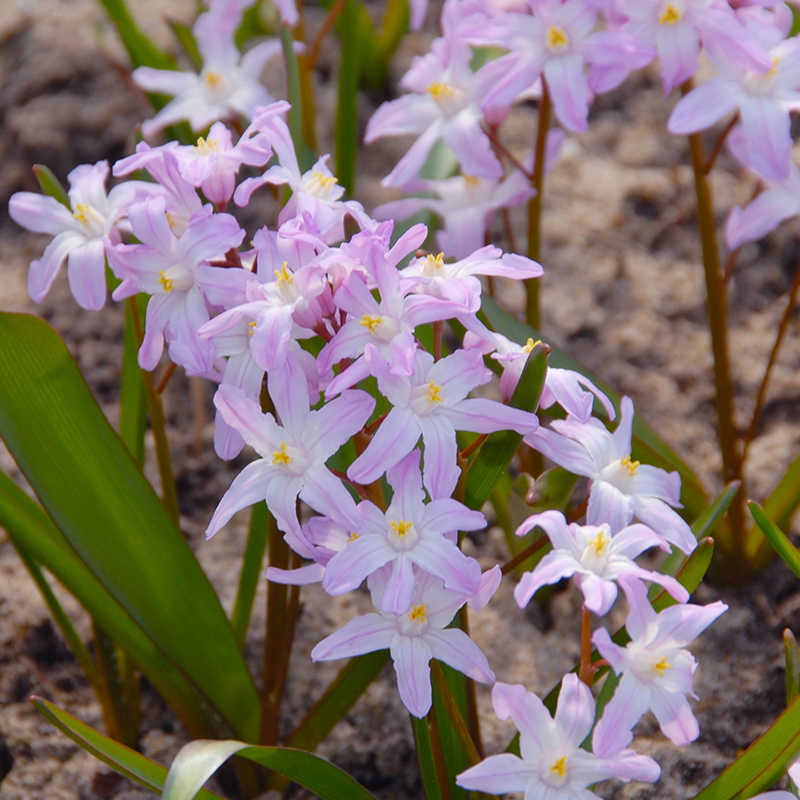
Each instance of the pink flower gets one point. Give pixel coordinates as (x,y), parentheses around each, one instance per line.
(413,639)
(596,559)
(553,764)
(410,533)
(293,454)
(657,673)
(78,231)
(621,488)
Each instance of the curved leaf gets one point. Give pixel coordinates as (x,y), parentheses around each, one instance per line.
(127,762)
(104,507)
(777,538)
(198,761)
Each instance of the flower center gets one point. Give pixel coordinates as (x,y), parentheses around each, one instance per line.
(559,767)
(371,322)
(402,534)
(557,38)
(206,148)
(662,666)
(252,326)
(90,219)
(281,456)
(530,344)
(629,464)
(165,281)
(433,394)
(418,613)
(432,265)
(670,15)
(213,79)
(440,91)
(352,537)
(283,275)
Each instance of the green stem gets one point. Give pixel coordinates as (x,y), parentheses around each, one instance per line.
(169,495)
(718,326)
(438,755)
(473,719)
(532,316)
(346,124)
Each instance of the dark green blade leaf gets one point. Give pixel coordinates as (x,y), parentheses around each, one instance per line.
(702,527)
(51,185)
(427,765)
(349,685)
(132,403)
(647,446)
(792,666)
(106,510)
(497,451)
(127,762)
(141,50)
(785,497)
(198,761)
(183,33)
(760,766)
(305,156)
(251,572)
(777,538)
(33,532)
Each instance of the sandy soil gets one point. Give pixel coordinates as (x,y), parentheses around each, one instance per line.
(623,294)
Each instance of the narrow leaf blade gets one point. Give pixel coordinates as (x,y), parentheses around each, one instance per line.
(777,538)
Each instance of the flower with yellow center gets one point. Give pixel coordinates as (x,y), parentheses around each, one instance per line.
(281,456)
(670,15)
(165,281)
(418,613)
(371,321)
(206,147)
(557,38)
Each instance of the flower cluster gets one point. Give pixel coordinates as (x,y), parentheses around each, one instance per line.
(332,323)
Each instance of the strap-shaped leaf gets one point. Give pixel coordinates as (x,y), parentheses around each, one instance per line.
(198,761)
(792,653)
(127,762)
(104,507)
(777,538)
(497,451)
(760,766)
(141,50)
(785,497)
(647,446)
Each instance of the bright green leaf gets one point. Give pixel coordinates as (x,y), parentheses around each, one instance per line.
(198,761)
(141,50)
(785,497)
(777,538)
(427,765)
(109,514)
(792,653)
(127,762)
(51,185)
(497,451)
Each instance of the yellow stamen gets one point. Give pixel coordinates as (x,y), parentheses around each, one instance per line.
(662,666)
(433,393)
(440,91)
(165,281)
(418,613)
(556,37)
(670,15)
(600,541)
(352,537)
(630,464)
(252,325)
(401,526)
(324,180)
(213,79)
(368,321)
(206,148)
(281,456)
(470,180)
(283,275)
(170,219)
(435,262)
(81,210)
(530,344)
(560,767)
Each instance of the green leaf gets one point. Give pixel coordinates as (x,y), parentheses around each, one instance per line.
(198,761)
(427,765)
(647,446)
(141,50)
(792,653)
(127,762)
(305,156)
(51,185)
(32,531)
(777,538)
(185,36)
(132,403)
(702,527)
(785,497)
(762,764)
(346,124)
(351,682)
(109,514)
(497,451)
(251,572)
